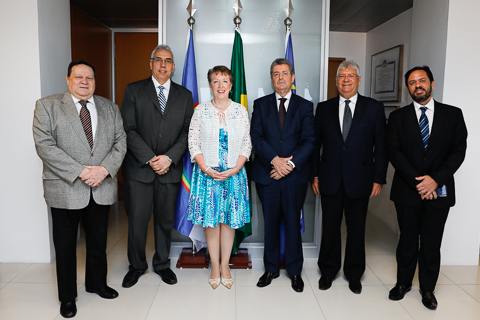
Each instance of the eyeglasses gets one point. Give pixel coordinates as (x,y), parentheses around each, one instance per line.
(350,76)
(277,74)
(161,61)
(413,82)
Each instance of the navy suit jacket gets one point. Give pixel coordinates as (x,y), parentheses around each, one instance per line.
(269,140)
(444,155)
(359,161)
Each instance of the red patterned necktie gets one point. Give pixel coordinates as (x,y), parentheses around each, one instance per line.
(86,122)
(281,111)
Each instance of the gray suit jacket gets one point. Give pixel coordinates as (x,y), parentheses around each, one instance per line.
(63,147)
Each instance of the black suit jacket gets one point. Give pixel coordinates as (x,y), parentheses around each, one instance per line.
(359,161)
(444,155)
(269,140)
(151,133)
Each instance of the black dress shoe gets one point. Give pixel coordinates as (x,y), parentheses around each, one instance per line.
(398,292)
(325,283)
(68,309)
(267,278)
(429,300)
(105,293)
(355,286)
(131,278)
(297,283)
(167,275)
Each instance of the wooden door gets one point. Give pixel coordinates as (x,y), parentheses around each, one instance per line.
(132,58)
(333,64)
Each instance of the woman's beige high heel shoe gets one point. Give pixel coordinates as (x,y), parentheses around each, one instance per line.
(214,283)
(228,282)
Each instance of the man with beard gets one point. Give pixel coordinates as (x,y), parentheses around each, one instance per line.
(426,143)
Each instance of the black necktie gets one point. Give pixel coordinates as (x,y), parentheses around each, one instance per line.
(281,111)
(347,120)
(86,122)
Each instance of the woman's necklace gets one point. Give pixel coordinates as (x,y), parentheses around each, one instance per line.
(222,107)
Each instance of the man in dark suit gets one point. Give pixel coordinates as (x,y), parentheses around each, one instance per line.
(351,169)
(282,133)
(81,141)
(427,141)
(156,115)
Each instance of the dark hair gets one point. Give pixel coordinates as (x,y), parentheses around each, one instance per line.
(76,63)
(222,70)
(279,61)
(424,68)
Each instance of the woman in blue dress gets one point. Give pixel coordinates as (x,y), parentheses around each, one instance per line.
(219,145)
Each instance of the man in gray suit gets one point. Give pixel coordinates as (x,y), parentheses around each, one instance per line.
(156,115)
(81,141)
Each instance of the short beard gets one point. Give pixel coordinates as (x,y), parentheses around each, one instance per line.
(422,98)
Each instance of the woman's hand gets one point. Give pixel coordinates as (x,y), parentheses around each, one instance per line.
(224,175)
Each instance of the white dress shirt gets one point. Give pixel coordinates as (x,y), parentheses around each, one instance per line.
(429,112)
(166,86)
(287,102)
(341,108)
(93,112)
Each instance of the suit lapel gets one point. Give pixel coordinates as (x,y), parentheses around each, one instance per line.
(412,122)
(333,110)
(68,106)
(360,109)
(272,106)
(292,106)
(439,121)
(172,96)
(152,93)
(101,122)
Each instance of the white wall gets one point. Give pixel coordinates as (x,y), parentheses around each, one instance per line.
(24,219)
(461,240)
(352,46)
(390,34)
(429,39)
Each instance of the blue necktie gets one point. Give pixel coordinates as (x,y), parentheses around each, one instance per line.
(424,130)
(161,99)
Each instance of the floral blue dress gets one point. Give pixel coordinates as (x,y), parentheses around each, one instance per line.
(212,202)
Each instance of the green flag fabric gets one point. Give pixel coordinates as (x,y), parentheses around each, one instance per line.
(239,95)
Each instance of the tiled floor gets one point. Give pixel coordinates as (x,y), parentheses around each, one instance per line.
(28,291)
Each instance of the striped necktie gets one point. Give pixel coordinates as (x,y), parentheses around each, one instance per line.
(162,99)
(86,122)
(424,129)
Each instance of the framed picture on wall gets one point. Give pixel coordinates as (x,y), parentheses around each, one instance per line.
(386,75)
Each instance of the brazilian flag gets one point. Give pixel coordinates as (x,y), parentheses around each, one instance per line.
(239,95)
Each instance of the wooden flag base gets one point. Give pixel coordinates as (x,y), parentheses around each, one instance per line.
(241,260)
(188,259)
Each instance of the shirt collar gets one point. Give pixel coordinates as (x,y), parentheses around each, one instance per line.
(352,99)
(287,96)
(75,99)
(166,85)
(430,105)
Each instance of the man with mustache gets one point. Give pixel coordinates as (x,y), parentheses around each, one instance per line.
(282,133)
(351,169)
(426,143)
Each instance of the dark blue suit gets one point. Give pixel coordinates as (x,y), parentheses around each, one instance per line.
(284,197)
(346,172)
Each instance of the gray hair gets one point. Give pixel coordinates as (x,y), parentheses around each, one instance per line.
(162,47)
(279,61)
(349,64)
